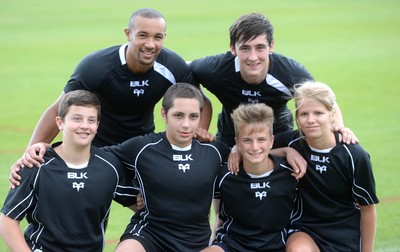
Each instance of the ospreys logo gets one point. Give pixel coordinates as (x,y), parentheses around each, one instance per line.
(77,176)
(322,159)
(183,158)
(260,194)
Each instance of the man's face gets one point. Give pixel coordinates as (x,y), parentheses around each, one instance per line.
(181,121)
(253,58)
(146,39)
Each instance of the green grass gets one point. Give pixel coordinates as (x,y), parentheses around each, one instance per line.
(352,45)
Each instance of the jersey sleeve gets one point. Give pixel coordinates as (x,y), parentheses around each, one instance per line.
(20,200)
(223,149)
(126,190)
(283,139)
(88,73)
(204,70)
(363,183)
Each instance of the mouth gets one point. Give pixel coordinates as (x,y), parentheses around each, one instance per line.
(83,134)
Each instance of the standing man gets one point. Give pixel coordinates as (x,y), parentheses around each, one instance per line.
(251,73)
(129,80)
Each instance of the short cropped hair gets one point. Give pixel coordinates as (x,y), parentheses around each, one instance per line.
(146,13)
(82,98)
(181,90)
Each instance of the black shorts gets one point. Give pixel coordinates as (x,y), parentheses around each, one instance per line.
(148,245)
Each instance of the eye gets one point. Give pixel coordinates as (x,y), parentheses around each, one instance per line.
(195,116)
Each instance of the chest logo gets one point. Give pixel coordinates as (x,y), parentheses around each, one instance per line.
(251,93)
(139,87)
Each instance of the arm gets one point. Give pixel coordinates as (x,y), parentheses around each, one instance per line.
(217,220)
(368,225)
(296,161)
(347,135)
(39,149)
(202,132)
(12,235)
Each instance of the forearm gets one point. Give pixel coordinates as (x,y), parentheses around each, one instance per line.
(12,235)
(206,114)
(46,129)
(368,226)
(339,123)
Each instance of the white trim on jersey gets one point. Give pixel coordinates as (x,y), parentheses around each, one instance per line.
(161,69)
(271,80)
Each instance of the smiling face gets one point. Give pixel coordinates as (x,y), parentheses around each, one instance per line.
(253,58)
(182,120)
(79,125)
(254,142)
(146,39)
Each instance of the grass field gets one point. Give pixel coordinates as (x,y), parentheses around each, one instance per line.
(351,45)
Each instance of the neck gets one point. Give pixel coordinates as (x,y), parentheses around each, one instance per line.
(72,154)
(260,168)
(323,142)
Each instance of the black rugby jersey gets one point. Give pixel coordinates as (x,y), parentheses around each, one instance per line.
(335,183)
(177,188)
(220,74)
(255,211)
(127,100)
(67,208)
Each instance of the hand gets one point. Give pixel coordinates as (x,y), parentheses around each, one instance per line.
(234,160)
(297,162)
(203,135)
(139,201)
(14,176)
(33,155)
(346,135)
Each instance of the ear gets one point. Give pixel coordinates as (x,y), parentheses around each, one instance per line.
(233,50)
(272,46)
(59,123)
(127,32)
(272,141)
(163,115)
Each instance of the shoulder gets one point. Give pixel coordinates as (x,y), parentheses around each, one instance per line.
(356,151)
(168,56)
(284,139)
(211,64)
(221,148)
(281,63)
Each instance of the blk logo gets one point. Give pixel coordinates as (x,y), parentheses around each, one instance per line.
(78,186)
(187,157)
(252,101)
(143,83)
(75,175)
(261,195)
(260,185)
(322,159)
(251,93)
(184,167)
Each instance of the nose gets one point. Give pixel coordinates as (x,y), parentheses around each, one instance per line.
(185,122)
(310,119)
(84,124)
(149,43)
(253,54)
